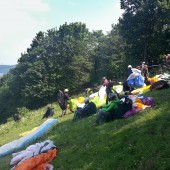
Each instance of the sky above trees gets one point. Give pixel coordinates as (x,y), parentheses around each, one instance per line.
(21,20)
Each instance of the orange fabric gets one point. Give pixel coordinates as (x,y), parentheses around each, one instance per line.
(37,161)
(153,80)
(138,102)
(140,105)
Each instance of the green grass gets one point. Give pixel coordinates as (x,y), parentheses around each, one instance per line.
(140,142)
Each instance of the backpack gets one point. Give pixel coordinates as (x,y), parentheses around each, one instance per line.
(161,84)
(60,99)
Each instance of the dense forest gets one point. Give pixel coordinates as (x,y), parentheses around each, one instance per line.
(73,57)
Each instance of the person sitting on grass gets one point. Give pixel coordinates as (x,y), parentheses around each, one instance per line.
(114,110)
(88,109)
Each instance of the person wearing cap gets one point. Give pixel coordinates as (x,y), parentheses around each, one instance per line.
(88,109)
(65,102)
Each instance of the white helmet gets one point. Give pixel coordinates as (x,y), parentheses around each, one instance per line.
(65,90)
(129,66)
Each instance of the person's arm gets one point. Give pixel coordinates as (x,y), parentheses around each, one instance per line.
(112,106)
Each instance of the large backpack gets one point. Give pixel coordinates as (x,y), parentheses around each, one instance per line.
(161,84)
(60,99)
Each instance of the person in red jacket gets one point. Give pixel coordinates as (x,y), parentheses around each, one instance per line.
(105,82)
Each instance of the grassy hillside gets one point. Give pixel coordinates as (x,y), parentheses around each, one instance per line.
(140,142)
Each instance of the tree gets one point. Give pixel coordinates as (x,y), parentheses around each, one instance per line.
(143,26)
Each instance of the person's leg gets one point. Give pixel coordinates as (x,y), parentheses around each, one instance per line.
(64,112)
(100,117)
(107,99)
(75,115)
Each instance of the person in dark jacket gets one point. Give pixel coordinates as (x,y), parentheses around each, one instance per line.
(114,110)
(64,106)
(88,109)
(129,71)
(144,72)
(109,89)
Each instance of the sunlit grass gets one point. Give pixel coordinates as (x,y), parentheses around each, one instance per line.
(138,142)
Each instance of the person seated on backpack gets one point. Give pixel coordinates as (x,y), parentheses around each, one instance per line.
(49,112)
(88,109)
(16,117)
(114,110)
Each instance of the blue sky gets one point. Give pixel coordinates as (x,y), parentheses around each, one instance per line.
(22,19)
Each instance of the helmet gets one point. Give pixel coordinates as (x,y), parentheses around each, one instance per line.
(65,90)
(129,66)
(103,78)
(86,100)
(111,96)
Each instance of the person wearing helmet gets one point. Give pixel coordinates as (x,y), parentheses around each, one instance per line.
(129,70)
(65,102)
(88,109)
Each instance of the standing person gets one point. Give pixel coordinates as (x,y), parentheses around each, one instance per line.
(105,81)
(109,89)
(129,71)
(63,101)
(145,72)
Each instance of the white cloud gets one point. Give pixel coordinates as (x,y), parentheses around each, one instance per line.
(106,18)
(18,27)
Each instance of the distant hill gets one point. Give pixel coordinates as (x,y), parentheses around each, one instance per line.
(5,68)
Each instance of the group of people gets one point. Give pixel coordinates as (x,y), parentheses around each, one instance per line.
(105,113)
(143,69)
(115,106)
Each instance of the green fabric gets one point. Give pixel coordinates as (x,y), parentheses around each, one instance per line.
(111,106)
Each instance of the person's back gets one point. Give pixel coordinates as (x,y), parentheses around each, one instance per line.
(87,110)
(63,101)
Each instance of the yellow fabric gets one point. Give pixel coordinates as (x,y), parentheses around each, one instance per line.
(141,90)
(80,99)
(27,132)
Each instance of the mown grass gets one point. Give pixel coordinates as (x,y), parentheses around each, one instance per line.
(140,142)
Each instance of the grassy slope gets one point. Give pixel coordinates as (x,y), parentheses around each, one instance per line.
(138,142)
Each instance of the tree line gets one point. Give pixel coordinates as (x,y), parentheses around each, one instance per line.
(73,57)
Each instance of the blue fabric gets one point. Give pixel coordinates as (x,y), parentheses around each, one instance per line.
(138,81)
(19,143)
(131,82)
